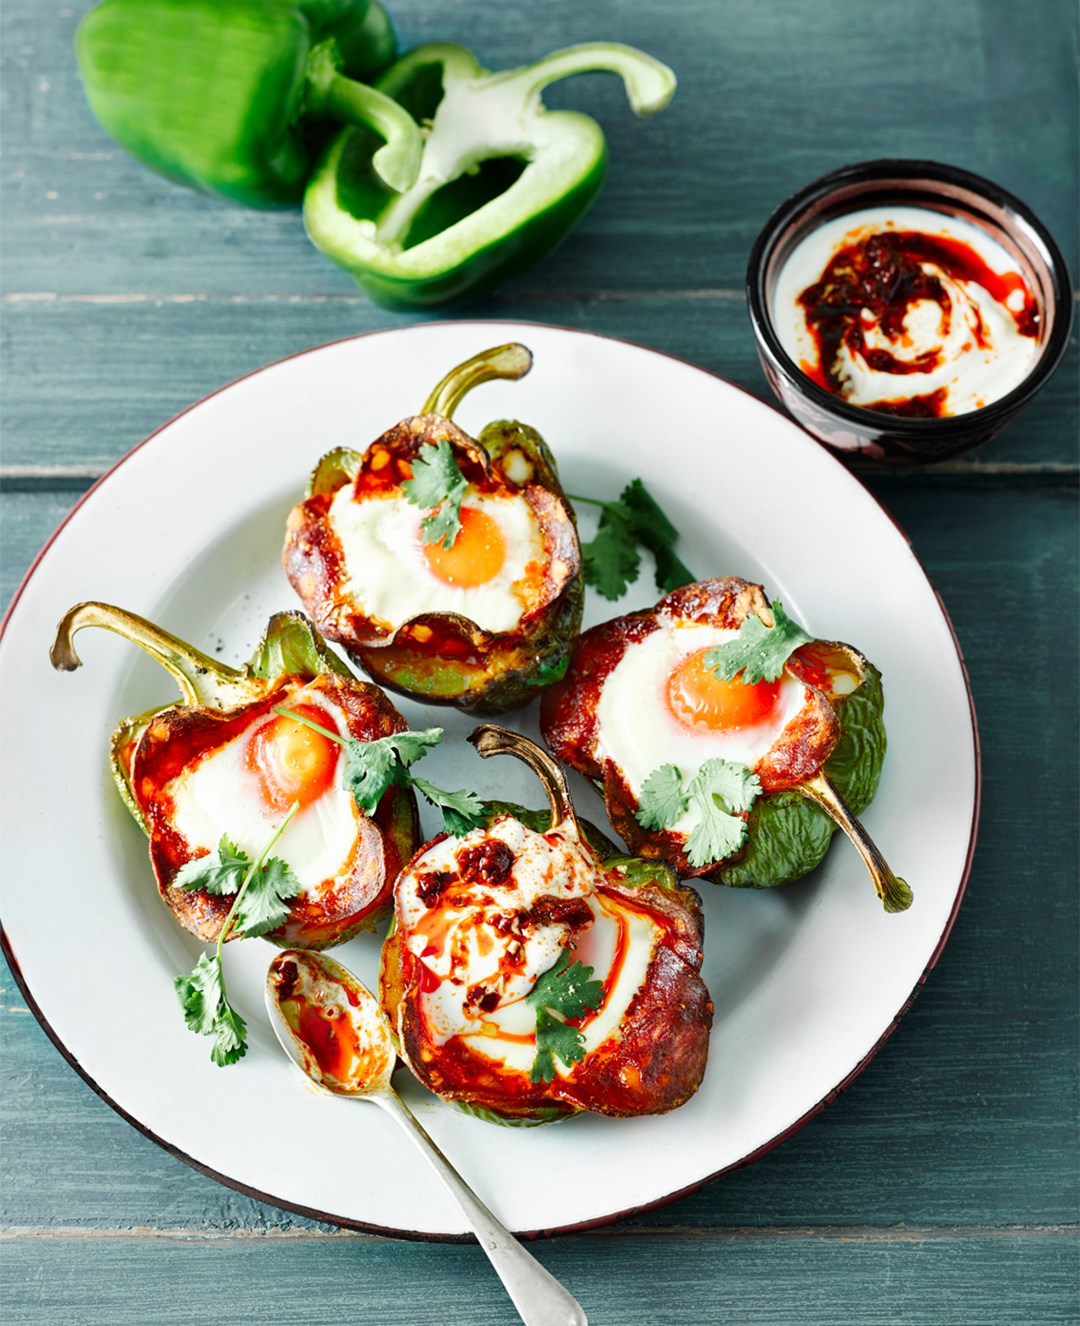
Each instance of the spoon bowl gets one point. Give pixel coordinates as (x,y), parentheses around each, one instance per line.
(332,1028)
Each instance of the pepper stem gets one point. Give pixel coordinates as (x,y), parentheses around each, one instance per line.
(502,361)
(329,92)
(202,680)
(650,84)
(490,739)
(894,892)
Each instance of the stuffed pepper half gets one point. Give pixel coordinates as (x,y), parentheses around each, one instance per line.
(724,738)
(532,973)
(252,760)
(448,567)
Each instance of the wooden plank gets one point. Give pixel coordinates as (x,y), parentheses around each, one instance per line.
(27,519)
(770,96)
(804,1280)
(966,1116)
(940,1185)
(86,380)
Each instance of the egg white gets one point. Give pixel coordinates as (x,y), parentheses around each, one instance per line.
(221,795)
(387,575)
(637,730)
(544,866)
(596,948)
(549,866)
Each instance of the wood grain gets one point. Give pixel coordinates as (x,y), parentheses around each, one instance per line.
(112,372)
(942,1188)
(791,1280)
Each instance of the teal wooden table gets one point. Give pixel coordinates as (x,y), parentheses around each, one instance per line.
(942,1187)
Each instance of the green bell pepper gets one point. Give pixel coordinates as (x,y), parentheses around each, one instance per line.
(439,655)
(651,1060)
(150,752)
(222,94)
(502,180)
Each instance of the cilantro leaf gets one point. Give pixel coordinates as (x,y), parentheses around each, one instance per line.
(200,995)
(759,652)
(220,871)
(733,783)
(567,987)
(564,992)
(257,907)
(438,486)
(263,904)
(461,811)
(662,801)
(442,525)
(368,773)
(554,1037)
(372,767)
(410,746)
(720,792)
(611,560)
(658,534)
(230,1038)
(208,1012)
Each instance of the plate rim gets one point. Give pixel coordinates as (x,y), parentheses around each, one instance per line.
(597,1222)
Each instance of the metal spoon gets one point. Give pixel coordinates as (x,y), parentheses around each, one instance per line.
(333,1029)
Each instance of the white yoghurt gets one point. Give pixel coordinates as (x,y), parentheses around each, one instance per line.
(973,370)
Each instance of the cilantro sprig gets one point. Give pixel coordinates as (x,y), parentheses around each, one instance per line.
(759,652)
(371,768)
(261,888)
(437,486)
(564,992)
(721,791)
(612,559)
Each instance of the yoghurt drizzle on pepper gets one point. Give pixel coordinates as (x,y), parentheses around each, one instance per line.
(913,314)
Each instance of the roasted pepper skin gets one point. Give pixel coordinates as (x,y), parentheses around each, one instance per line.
(220,702)
(656,1061)
(820,772)
(501,184)
(211,93)
(443,657)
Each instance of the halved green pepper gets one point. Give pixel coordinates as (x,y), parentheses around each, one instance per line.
(818,766)
(479,918)
(227,711)
(441,655)
(501,183)
(222,94)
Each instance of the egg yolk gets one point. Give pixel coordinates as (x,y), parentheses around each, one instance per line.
(700,699)
(476,555)
(291,761)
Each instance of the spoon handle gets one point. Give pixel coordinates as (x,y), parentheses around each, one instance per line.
(537,1295)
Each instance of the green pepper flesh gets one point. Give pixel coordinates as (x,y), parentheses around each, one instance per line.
(214,93)
(501,183)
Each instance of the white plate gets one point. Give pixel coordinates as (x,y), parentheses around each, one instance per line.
(187,530)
